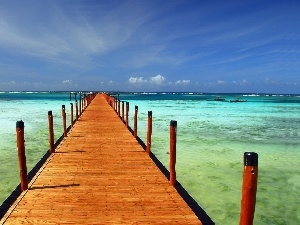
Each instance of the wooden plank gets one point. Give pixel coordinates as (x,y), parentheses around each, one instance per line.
(100,175)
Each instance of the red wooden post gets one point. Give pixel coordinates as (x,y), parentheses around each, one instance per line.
(149,132)
(76,108)
(21,155)
(123,111)
(51,132)
(249,188)
(80,103)
(89,98)
(119,111)
(63,112)
(135,121)
(173,126)
(71,115)
(84,101)
(127,111)
(113,103)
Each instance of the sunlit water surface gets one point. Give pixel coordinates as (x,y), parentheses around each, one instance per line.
(212,137)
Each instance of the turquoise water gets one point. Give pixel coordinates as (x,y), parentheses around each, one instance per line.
(33,109)
(211,139)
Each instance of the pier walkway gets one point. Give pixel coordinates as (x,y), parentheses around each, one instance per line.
(100,174)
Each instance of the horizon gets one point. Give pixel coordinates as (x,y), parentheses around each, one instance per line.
(159,92)
(150,46)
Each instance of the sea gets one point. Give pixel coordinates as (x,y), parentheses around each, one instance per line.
(213,133)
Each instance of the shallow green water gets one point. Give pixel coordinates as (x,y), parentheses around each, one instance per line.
(211,140)
(33,109)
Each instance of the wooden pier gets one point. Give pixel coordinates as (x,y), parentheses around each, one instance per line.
(100,174)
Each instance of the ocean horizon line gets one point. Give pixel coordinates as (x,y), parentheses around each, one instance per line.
(160,92)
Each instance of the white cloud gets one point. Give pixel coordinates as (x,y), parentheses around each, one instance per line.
(245,82)
(221,82)
(67,36)
(183,82)
(67,82)
(158,79)
(137,80)
(13,83)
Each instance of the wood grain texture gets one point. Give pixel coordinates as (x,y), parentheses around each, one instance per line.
(99,174)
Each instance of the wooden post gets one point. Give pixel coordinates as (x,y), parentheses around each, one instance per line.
(249,188)
(71,115)
(113,102)
(76,109)
(173,127)
(79,103)
(149,132)
(84,101)
(70,96)
(135,121)
(21,154)
(51,132)
(123,111)
(119,111)
(127,111)
(75,96)
(63,113)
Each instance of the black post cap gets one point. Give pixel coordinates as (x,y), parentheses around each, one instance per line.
(71,104)
(149,113)
(63,106)
(136,107)
(250,159)
(49,113)
(20,124)
(173,123)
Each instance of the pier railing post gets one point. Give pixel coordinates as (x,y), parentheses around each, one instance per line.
(123,111)
(71,115)
(84,101)
(76,109)
(149,132)
(173,127)
(119,111)
(80,103)
(114,103)
(63,112)
(135,121)
(21,154)
(249,188)
(51,132)
(127,111)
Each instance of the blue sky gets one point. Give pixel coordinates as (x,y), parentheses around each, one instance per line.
(148,45)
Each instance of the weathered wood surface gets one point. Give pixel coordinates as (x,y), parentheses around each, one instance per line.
(100,175)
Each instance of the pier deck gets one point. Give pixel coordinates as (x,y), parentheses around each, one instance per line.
(100,175)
